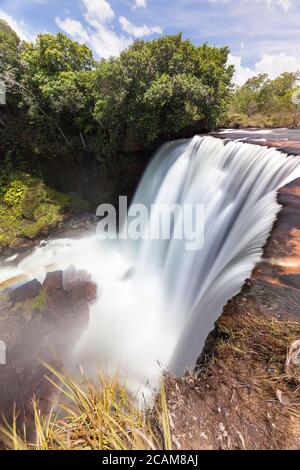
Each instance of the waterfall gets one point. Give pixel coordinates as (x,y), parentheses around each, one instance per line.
(157,300)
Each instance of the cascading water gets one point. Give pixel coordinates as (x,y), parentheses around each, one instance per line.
(158,301)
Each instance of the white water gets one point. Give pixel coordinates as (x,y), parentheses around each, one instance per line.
(157,302)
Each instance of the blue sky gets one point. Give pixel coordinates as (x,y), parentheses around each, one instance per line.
(263,35)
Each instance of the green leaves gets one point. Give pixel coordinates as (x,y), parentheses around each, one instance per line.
(154,90)
(9,46)
(265,102)
(161,89)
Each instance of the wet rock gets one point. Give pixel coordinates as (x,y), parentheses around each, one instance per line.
(53,280)
(25,292)
(90,291)
(42,325)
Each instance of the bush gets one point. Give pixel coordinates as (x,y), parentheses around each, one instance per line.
(27,207)
(160,89)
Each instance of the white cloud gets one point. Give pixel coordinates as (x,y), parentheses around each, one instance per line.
(98,33)
(276,64)
(18,26)
(138,31)
(97,11)
(284,4)
(74,28)
(241,74)
(139,4)
(272,64)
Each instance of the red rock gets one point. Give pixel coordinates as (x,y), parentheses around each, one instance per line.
(53,280)
(90,290)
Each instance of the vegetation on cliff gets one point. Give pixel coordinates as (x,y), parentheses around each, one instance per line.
(262,102)
(27,207)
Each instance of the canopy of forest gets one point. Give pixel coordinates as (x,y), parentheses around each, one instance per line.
(154,90)
(262,102)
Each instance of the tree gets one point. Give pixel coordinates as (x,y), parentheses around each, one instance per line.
(9,47)
(266,102)
(53,68)
(250,97)
(58,81)
(161,89)
(155,90)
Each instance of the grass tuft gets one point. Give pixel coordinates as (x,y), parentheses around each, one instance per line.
(91,415)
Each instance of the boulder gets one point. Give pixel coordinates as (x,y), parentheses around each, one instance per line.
(25,292)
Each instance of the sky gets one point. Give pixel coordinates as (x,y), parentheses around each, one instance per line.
(263,35)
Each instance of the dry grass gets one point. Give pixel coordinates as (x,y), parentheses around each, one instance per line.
(95,415)
(258,349)
(243,396)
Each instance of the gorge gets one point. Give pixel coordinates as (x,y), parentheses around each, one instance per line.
(157,302)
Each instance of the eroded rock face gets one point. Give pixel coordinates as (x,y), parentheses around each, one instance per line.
(278,275)
(40,323)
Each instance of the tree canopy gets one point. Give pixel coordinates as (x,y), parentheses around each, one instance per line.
(161,88)
(265,102)
(154,90)
(9,46)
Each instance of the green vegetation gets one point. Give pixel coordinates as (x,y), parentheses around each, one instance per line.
(157,89)
(262,102)
(28,206)
(9,46)
(160,90)
(96,415)
(154,90)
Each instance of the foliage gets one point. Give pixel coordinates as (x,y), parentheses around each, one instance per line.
(27,207)
(160,89)
(155,90)
(263,102)
(57,79)
(93,415)
(9,46)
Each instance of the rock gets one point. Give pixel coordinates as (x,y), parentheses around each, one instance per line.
(53,280)
(64,290)
(22,244)
(55,295)
(44,336)
(90,290)
(25,292)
